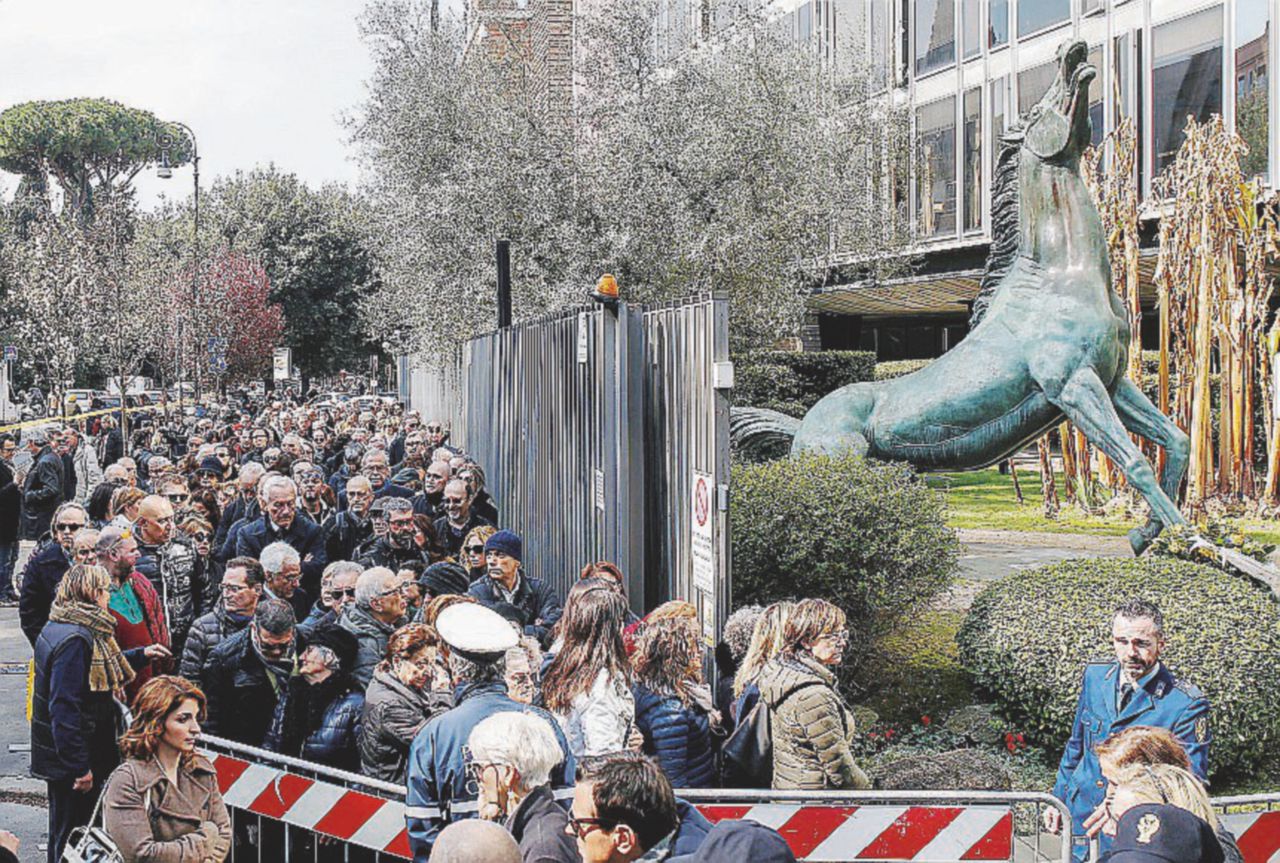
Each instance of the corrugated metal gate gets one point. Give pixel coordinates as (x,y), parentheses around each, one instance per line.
(590,425)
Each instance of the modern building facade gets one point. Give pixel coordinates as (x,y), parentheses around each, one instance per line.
(966,69)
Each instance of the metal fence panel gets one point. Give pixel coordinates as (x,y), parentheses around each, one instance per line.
(591,424)
(435,390)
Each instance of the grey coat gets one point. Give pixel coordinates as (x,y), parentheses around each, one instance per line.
(393,716)
(371,640)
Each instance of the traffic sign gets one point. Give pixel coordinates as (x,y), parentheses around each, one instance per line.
(10,353)
(281,361)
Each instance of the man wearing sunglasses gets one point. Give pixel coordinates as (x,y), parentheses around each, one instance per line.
(337,593)
(397,547)
(46,567)
(239,592)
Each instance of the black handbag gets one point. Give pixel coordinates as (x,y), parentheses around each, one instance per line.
(746,758)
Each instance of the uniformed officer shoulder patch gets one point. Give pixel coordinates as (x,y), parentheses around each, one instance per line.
(1147,826)
(1188,688)
(1202,729)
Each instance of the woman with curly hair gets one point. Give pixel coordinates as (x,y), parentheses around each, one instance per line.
(163,802)
(408,688)
(587,687)
(673,705)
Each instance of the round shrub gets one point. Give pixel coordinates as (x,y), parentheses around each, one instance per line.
(868,536)
(1027,638)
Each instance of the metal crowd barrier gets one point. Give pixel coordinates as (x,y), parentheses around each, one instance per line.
(286,809)
(1254,819)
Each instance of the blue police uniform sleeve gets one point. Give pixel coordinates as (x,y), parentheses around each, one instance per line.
(1192,730)
(1074,750)
(566,772)
(422,814)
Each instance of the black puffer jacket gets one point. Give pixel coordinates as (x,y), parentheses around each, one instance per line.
(384,554)
(44,570)
(208,631)
(393,716)
(344,533)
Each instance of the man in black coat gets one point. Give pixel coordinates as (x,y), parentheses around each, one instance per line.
(506,582)
(243,505)
(45,569)
(347,530)
(111,445)
(10,514)
(396,548)
(64,447)
(459,520)
(42,490)
(280,523)
(243,699)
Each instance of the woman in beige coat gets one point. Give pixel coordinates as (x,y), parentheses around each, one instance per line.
(162,804)
(810,724)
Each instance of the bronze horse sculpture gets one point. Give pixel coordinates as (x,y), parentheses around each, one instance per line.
(1048,337)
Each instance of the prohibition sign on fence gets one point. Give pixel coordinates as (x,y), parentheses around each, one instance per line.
(701,503)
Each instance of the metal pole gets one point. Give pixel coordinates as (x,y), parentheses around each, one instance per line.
(504,283)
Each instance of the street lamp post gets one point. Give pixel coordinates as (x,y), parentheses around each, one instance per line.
(165,171)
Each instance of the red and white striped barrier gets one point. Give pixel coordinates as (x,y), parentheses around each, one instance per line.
(817,832)
(1257,834)
(343,813)
(927,834)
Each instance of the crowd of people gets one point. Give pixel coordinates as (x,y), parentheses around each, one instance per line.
(337,585)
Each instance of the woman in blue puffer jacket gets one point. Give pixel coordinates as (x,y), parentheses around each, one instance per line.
(673,705)
(333,700)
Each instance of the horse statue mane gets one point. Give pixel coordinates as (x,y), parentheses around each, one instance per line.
(1004,221)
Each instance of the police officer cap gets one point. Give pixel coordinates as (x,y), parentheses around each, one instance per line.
(476,633)
(1161,833)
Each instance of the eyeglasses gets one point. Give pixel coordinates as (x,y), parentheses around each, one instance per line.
(455,501)
(176,498)
(341,592)
(580,827)
(233,588)
(69,527)
(295,577)
(475,549)
(200,537)
(420,664)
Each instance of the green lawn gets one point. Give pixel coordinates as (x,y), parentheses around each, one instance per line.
(985,499)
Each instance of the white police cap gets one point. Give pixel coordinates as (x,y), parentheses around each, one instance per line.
(477,633)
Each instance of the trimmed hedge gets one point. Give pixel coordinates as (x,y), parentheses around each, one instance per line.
(1027,638)
(866,535)
(793,381)
(897,368)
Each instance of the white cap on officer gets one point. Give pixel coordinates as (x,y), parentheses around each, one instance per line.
(475,632)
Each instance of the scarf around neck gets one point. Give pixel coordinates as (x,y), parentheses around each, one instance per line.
(109,671)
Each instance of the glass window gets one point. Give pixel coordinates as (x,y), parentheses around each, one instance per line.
(1120,78)
(973,159)
(971,10)
(936,177)
(1096,103)
(1186,78)
(999,99)
(1033,83)
(1034,15)
(879,44)
(935,35)
(998,23)
(1253,31)
(1088,6)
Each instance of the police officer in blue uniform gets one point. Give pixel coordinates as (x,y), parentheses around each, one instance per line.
(1136,689)
(440,787)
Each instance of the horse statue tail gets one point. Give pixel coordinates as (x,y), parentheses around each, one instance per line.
(760,434)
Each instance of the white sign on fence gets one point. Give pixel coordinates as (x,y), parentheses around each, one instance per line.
(281,361)
(583,323)
(701,518)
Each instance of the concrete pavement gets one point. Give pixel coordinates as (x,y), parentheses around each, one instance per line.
(22,808)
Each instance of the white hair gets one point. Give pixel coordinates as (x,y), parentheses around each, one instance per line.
(271,483)
(252,471)
(275,556)
(372,583)
(516,739)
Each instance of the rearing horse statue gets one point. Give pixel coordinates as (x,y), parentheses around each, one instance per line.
(1048,335)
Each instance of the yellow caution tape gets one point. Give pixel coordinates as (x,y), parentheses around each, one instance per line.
(81,416)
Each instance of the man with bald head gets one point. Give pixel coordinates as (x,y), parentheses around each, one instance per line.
(474,841)
(169,561)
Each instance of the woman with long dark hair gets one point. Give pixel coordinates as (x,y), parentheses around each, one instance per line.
(587,687)
(674,710)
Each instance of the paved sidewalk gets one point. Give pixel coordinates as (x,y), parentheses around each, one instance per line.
(22,808)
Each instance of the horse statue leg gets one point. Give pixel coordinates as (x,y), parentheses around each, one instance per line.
(1143,418)
(1087,403)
